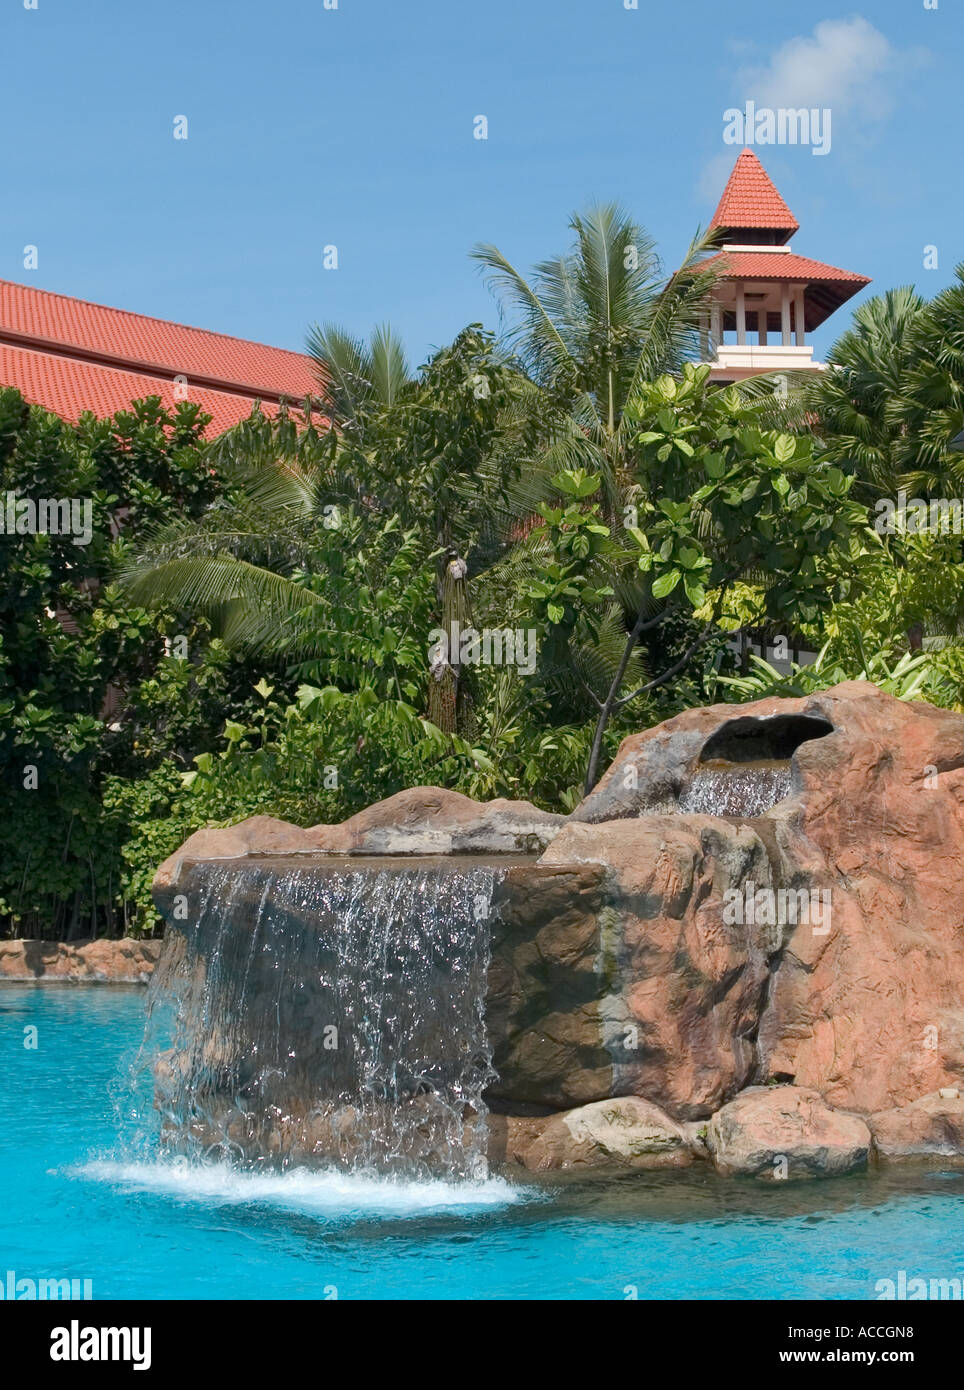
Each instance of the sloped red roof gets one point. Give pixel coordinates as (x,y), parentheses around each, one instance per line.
(750,199)
(779,265)
(68,386)
(70,356)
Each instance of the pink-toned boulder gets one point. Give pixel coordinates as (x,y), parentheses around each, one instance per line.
(430,820)
(545,1011)
(929,1128)
(679,990)
(256,836)
(419,821)
(779,1132)
(872,1013)
(869,1008)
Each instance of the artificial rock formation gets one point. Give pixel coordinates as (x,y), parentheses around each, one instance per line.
(621,1133)
(752,894)
(931,1128)
(784,1132)
(867,1006)
(129,961)
(680,992)
(419,821)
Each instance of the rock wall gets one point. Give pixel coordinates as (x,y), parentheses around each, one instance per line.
(619,977)
(864,1006)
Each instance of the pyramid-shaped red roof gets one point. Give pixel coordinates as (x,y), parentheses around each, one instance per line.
(70,356)
(750,200)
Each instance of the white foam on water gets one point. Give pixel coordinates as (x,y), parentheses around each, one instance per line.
(325,1192)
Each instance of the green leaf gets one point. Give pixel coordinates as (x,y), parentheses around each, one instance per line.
(666,583)
(587,485)
(694,590)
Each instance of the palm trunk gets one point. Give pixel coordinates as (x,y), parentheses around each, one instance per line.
(450,706)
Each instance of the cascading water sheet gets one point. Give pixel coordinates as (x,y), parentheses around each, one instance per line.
(739,790)
(331,1013)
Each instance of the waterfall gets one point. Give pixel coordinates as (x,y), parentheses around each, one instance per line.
(329,1012)
(738,789)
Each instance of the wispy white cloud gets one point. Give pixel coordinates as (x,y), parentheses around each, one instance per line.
(846,65)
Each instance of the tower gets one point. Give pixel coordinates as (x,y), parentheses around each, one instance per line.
(768,298)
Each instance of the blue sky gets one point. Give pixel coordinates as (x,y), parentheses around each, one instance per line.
(310,126)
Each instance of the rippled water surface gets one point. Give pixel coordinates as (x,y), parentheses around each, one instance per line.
(86,1196)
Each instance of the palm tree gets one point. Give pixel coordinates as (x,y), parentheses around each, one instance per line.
(588,328)
(356,377)
(932,403)
(248,563)
(242,562)
(592,325)
(856,406)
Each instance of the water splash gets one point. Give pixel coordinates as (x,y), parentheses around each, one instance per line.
(328,1193)
(737,789)
(329,1013)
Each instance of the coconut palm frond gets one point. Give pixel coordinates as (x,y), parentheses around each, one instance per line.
(536,338)
(205,584)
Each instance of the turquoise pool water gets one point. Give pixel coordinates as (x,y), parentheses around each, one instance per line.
(83,1198)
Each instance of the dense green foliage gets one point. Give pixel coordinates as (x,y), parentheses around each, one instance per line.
(86,692)
(292,619)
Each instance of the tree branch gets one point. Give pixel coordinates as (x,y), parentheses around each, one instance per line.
(704,636)
(591,693)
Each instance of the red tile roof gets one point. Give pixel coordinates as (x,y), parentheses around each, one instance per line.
(70,356)
(751,200)
(69,386)
(779,265)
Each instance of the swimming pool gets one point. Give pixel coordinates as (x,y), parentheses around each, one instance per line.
(84,1197)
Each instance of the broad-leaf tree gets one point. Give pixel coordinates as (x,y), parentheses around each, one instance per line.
(715,500)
